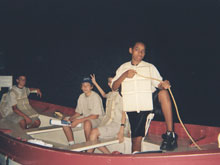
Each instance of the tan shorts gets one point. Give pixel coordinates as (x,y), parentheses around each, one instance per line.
(15,118)
(109,131)
(95,123)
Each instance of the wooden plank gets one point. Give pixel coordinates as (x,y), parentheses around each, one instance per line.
(93,144)
(43,130)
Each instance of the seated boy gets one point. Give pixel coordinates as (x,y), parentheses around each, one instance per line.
(89,111)
(113,123)
(17,108)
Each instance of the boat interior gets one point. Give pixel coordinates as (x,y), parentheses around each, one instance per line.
(53,136)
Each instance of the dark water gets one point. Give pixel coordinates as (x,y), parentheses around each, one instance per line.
(57,43)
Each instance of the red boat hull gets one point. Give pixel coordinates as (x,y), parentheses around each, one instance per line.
(26,153)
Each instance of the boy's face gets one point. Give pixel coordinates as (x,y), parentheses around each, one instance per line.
(21,81)
(138,52)
(86,87)
(110,81)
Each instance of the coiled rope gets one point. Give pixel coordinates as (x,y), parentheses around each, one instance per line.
(177,111)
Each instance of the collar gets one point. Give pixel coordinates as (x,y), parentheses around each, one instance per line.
(135,65)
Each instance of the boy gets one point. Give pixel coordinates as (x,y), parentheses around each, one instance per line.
(17,107)
(89,111)
(137,96)
(113,122)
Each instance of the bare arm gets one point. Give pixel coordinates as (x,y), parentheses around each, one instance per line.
(127,74)
(74,116)
(97,85)
(121,131)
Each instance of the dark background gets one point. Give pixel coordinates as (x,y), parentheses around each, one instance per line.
(56,43)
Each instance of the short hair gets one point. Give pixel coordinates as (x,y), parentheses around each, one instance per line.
(134,42)
(17,76)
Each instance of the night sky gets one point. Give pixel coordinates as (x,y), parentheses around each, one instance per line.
(56,43)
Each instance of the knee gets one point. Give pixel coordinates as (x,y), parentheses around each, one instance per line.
(23,124)
(37,123)
(94,134)
(163,95)
(87,124)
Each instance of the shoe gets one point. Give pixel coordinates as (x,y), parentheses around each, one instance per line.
(169,142)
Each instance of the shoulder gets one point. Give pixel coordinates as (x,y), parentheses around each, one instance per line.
(144,63)
(81,96)
(126,64)
(123,67)
(95,95)
(13,91)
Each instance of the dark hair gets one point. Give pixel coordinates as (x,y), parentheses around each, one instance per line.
(133,43)
(17,76)
(111,75)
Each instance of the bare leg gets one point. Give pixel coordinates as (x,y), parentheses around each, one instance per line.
(94,136)
(68,132)
(136,143)
(87,128)
(23,124)
(164,99)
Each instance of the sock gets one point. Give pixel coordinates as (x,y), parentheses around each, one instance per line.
(71,143)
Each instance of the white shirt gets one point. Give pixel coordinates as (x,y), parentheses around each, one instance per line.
(137,91)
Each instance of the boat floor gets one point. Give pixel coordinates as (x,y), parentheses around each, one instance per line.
(184,145)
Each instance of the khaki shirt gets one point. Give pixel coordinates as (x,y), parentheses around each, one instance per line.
(90,105)
(137,91)
(114,108)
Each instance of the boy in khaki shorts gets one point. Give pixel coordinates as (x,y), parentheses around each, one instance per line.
(113,123)
(89,111)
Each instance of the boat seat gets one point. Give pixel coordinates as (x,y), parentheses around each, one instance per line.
(93,144)
(33,131)
(47,129)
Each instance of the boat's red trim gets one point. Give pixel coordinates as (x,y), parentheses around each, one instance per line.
(26,153)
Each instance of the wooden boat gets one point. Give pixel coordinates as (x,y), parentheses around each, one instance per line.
(14,148)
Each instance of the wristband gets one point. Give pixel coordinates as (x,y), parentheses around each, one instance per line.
(123,125)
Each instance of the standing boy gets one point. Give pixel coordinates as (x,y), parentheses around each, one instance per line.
(113,123)
(137,96)
(89,111)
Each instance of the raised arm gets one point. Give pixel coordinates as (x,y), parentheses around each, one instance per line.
(97,85)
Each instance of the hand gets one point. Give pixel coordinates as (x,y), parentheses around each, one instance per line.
(67,118)
(39,93)
(93,78)
(75,123)
(130,73)
(164,85)
(120,136)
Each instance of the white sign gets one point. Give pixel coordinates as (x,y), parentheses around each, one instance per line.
(6,81)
